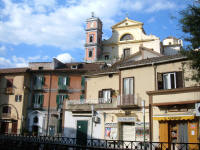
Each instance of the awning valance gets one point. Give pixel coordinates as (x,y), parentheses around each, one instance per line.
(174,117)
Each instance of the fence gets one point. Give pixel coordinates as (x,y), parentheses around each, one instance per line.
(15,142)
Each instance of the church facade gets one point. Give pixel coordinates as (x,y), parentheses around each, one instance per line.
(128,36)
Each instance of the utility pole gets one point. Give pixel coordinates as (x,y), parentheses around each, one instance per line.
(143,110)
(92,109)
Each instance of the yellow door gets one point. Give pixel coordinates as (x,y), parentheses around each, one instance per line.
(163,133)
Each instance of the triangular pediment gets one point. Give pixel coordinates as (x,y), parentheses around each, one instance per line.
(127,22)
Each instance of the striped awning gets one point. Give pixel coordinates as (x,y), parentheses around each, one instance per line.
(174,117)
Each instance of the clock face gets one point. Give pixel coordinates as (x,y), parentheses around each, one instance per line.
(92,24)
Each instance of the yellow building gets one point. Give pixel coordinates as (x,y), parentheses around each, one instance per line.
(14,89)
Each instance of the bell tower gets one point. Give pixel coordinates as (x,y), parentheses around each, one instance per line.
(93,39)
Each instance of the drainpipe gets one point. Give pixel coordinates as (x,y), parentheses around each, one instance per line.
(47,128)
(150,107)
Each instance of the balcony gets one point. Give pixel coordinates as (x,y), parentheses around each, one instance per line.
(85,104)
(38,87)
(36,106)
(63,88)
(9,90)
(128,101)
(8,116)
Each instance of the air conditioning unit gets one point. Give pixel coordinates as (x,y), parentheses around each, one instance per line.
(96,119)
(197,108)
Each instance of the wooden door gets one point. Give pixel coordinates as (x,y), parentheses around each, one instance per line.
(81,133)
(193,134)
(4,127)
(14,127)
(164,133)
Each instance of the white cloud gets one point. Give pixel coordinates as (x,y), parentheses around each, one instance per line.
(5,62)
(161,5)
(152,19)
(46,22)
(2,50)
(15,61)
(65,57)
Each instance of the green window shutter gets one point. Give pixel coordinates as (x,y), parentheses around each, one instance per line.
(57,99)
(59,81)
(83,81)
(43,80)
(67,80)
(33,99)
(41,99)
(66,96)
(82,96)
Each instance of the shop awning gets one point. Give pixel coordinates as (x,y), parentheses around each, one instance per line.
(174,117)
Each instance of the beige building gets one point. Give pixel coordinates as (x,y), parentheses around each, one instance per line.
(115,96)
(14,91)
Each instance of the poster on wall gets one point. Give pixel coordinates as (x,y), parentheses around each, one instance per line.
(111,133)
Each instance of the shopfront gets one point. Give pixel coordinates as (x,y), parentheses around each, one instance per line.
(178,128)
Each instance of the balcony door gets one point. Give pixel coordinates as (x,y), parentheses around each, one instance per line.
(128,90)
(4,127)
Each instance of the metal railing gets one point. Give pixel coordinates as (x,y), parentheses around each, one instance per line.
(42,142)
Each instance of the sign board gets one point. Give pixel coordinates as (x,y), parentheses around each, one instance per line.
(126,119)
(112,125)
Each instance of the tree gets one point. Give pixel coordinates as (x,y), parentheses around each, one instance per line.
(190,24)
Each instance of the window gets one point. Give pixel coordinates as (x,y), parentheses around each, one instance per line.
(39,81)
(106,57)
(170,80)
(38,100)
(91,38)
(60,100)
(128,86)
(105,96)
(63,82)
(35,119)
(128,91)
(6,110)
(83,82)
(126,37)
(90,53)
(9,83)
(126,52)
(74,67)
(18,98)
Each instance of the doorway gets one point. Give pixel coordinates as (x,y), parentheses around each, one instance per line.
(4,127)
(81,133)
(35,130)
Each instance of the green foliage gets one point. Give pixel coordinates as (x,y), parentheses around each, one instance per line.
(190,23)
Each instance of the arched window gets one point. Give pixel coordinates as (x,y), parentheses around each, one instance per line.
(90,53)
(35,119)
(91,38)
(126,37)
(6,109)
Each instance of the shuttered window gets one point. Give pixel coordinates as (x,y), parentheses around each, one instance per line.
(83,82)
(170,80)
(105,96)
(38,100)
(9,83)
(38,81)
(60,100)
(63,82)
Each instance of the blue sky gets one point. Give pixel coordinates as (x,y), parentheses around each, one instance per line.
(38,30)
